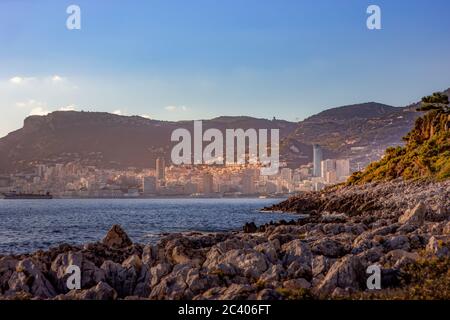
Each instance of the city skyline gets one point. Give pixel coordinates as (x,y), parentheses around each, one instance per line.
(202,60)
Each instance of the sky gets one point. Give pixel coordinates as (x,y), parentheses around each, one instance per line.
(198,59)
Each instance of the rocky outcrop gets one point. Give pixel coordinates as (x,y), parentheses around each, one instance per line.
(326,254)
(116,238)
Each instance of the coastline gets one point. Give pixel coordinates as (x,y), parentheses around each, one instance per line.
(321,256)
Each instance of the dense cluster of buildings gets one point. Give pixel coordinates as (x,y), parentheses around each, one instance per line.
(72,180)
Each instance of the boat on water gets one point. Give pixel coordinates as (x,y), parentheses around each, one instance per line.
(22,196)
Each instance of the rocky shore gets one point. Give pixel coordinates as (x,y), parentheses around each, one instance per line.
(401,227)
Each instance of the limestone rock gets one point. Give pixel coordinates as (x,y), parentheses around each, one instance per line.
(296,284)
(345,273)
(116,238)
(415,215)
(439,245)
(102,291)
(90,273)
(28,277)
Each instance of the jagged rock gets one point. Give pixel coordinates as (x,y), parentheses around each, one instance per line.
(29,278)
(246,262)
(399,258)
(250,227)
(415,215)
(371,256)
(116,238)
(296,284)
(297,259)
(159,271)
(199,282)
(329,248)
(345,273)
(446,229)
(333,217)
(237,292)
(397,242)
(173,286)
(149,255)
(321,264)
(268,294)
(439,245)
(7,268)
(275,273)
(143,283)
(90,274)
(102,291)
(270,250)
(123,278)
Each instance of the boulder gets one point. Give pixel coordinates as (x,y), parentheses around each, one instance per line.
(296,284)
(123,278)
(270,250)
(297,259)
(173,286)
(415,215)
(159,271)
(237,292)
(90,273)
(275,273)
(29,278)
(348,272)
(7,268)
(102,291)
(246,262)
(321,265)
(199,282)
(250,227)
(116,238)
(397,242)
(439,246)
(329,248)
(268,294)
(446,229)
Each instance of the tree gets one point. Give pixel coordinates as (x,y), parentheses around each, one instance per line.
(437,101)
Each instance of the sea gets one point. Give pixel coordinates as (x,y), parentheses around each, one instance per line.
(29,225)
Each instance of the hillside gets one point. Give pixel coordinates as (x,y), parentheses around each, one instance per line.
(425,155)
(104,140)
(361,132)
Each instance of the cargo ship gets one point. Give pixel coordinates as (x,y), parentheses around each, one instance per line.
(22,196)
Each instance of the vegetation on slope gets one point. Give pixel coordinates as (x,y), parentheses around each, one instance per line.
(426,154)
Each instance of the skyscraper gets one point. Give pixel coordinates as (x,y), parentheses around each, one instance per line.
(160,168)
(317,159)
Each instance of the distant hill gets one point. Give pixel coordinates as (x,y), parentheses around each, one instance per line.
(426,154)
(105,140)
(349,131)
(360,131)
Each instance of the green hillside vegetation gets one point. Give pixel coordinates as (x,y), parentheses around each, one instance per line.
(426,154)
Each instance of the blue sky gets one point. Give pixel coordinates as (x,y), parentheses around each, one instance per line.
(197,59)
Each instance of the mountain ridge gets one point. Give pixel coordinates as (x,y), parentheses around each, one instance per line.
(114,141)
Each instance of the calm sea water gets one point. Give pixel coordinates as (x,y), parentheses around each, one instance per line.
(28,225)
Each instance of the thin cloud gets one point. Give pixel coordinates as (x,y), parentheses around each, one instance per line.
(17,80)
(56,78)
(39,111)
(67,108)
(176,108)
